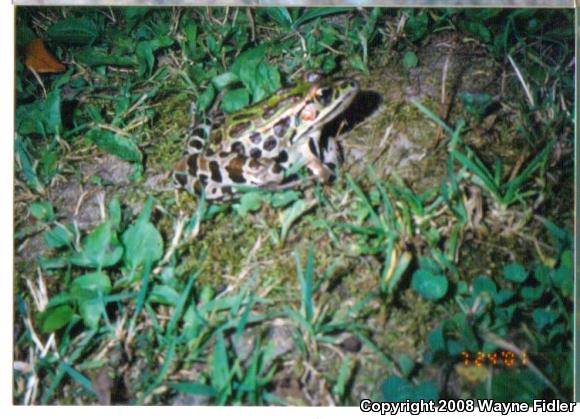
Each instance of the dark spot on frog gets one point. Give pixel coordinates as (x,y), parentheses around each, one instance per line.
(255,153)
(209,153)
(270,143)
(192,164)
(281,127)
(214,168)
(238,129)
(277,169)
(282,157)
(238,148)
(203,179)
(234,169)
(254,164)
(255,137)
(227,190)
(312,146)
(223,154)
(181,178)
(196,144)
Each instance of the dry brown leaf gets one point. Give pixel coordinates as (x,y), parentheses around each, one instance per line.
(40,60)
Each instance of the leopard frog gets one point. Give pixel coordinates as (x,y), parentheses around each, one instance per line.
(255,146)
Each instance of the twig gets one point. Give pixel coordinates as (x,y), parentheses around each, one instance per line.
(522,81)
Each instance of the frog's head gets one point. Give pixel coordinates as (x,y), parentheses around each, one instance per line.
(326,100)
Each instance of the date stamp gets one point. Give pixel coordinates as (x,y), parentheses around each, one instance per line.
(506,359)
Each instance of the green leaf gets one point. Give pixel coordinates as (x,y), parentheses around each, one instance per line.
(27,166)
(224,80)
(164,294)
(56,317)
(100,248)
(115,213)
(192,387)
(290,215)
(417,25)
(315,12)
(531,293)
(80,31)
(220,370)
(406,364)
(97,57)
(283,198)
(90,284)
(59,236)
(42,211)
(142,241)
(515,272)
(234,100)
(428,285)
(249,202)
(40,116)
(122,147)
(281,16)
(398,390)
(482,284)
(91,310)
(503,296)
(259,77)
(410,60)
(543,317)
(206,98)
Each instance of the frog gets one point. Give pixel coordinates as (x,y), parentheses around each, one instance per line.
(255,146)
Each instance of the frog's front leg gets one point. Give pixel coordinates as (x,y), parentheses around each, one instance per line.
(318,160)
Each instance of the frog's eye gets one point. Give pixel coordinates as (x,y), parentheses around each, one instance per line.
(324,96)
(309,113)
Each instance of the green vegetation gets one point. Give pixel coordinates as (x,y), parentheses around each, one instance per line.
(450,279)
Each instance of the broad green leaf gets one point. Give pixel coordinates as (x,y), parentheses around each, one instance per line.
(515,272)
(164,294)
(235,100)
(90,284)
(40,116)
(91,310)
(206,98)
(142,241)
(249,202)
(396,389)
(224,80)
(59,236)
(544,317)
(56,317)
(97,57)
(80,31)
(482,284)
(428,285)
(122,147)
(42,211)
(100,248)
(410,60)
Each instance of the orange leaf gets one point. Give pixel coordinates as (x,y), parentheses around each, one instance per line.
(39,59)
